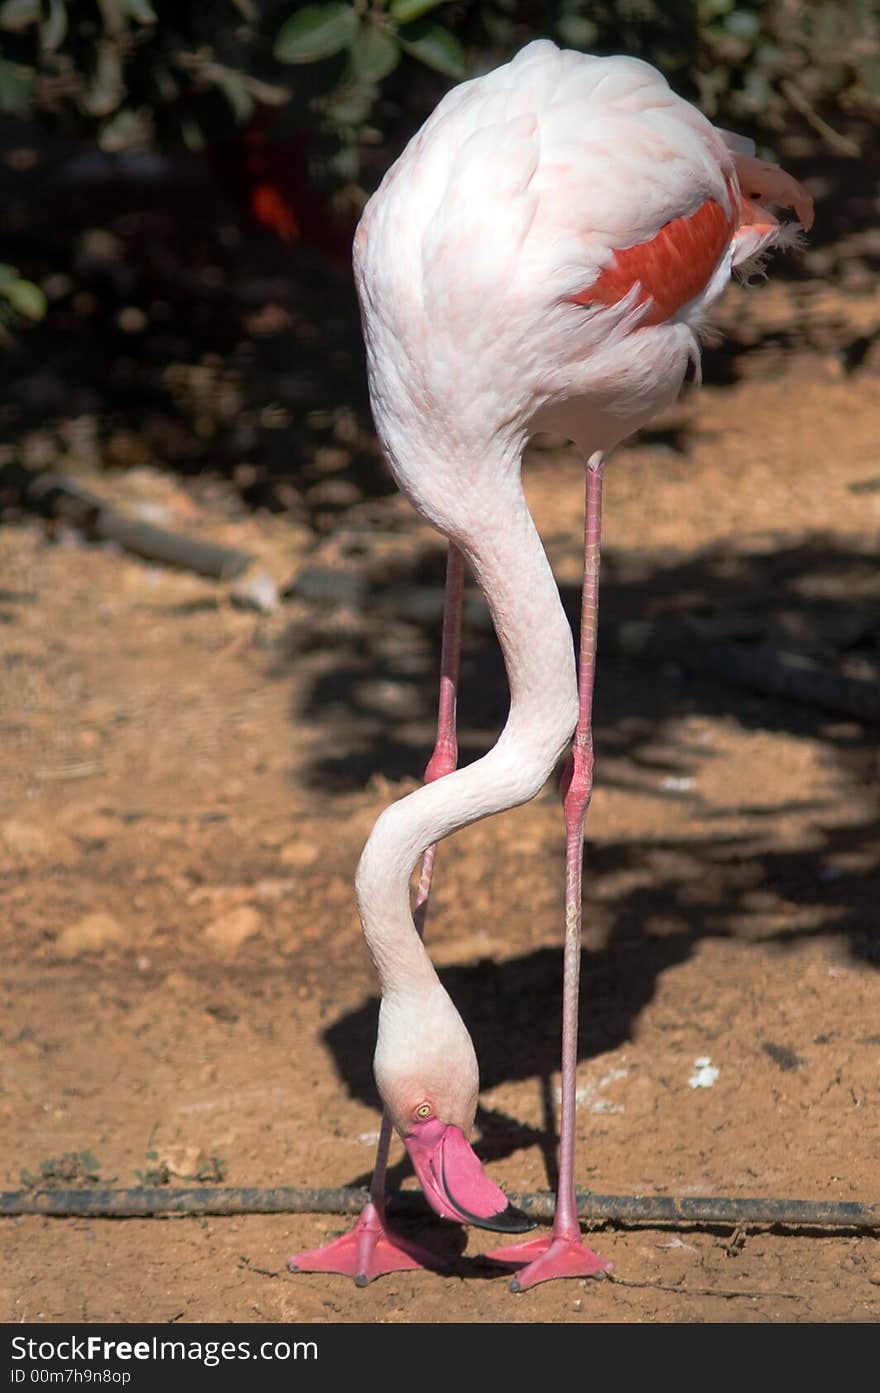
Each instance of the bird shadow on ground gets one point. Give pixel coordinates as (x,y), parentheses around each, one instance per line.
(512,1010)
(817,599)
(512,1007)
(374,690)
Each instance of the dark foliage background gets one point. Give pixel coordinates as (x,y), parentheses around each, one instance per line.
(181,181)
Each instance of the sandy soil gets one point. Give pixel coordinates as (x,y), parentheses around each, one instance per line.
(186,788)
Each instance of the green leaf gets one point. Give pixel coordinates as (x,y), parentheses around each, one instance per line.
(141,10)
(435,47)
(351,103)
(238,97)
(106,87)
(315,32)
(15,86)
(54,26)
(405,10)
(18,14)
(374,54)
(25,297)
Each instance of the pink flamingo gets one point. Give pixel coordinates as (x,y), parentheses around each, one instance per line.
(543,256)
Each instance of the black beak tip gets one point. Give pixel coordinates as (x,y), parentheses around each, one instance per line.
(509,1220)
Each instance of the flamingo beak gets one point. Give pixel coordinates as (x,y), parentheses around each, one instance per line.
(454,1182)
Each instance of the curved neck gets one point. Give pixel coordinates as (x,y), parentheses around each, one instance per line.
(505,554)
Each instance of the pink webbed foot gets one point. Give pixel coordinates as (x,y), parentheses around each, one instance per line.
(548,1257)
(367,1251)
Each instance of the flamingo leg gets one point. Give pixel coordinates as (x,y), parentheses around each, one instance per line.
(563,1252)
(370,1249)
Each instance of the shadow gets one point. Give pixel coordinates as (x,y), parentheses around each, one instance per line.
(817,600)
(512,1009)
(182,335)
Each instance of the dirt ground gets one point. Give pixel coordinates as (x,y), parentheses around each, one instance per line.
(187,784)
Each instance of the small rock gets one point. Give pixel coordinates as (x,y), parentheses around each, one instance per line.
(91,934)
(705,1073)
(230,931)
(255,590)
(675,784)
(183,1162)
(271,889)
(219,897)
(299,854)
(30,844)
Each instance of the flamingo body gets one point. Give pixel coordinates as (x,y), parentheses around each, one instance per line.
(543,255)
(525,234)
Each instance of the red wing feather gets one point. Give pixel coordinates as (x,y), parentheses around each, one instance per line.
(671,269)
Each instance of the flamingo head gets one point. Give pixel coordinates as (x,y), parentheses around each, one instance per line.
(427,1075)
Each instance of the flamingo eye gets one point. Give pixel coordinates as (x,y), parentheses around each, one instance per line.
(424,1111)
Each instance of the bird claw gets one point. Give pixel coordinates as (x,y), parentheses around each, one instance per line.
(366,1252)
(548,1257)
